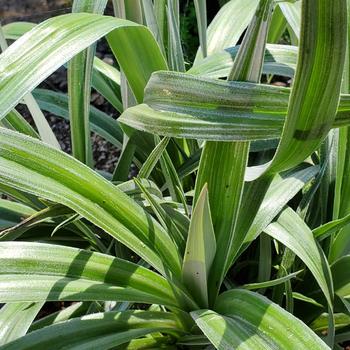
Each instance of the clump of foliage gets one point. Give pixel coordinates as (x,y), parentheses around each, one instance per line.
(234,234)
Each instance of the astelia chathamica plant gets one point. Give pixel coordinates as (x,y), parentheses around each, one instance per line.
(233,235)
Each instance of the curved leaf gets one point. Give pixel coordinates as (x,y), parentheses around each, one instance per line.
(316,89)
(39,52)
(15,121)
(246,320)
(292,231)
(105,78)
(39,272)
(29,165)
(98,331)
(282,190)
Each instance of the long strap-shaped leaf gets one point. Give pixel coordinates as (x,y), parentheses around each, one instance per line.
(29,165)
(39,272)
(281,191)
(79,88)
(98,331)
(315,93)
(105,78)
(45,48)
(183,105)
(245,320)
(291,230)
(222,165)
(340,241)
(316,89)
(277,27)
(101,123)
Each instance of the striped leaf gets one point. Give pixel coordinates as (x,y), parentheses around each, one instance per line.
(45,272)
(29,165)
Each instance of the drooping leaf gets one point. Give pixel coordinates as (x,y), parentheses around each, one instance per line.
(144,54)
(45,272)
(31,166)
(292,231)
(246,320)
(45,132)
(105,78)
(101,330)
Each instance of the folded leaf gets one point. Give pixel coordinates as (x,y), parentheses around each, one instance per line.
(182,105)
(200,250)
